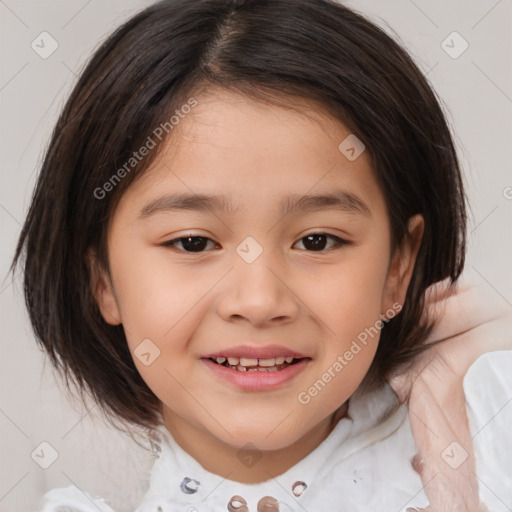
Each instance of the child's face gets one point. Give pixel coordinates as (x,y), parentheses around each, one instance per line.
(314,302)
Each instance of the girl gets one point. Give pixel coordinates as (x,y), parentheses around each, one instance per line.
(238,217)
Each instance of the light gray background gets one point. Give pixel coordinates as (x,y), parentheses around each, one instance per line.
(475,89)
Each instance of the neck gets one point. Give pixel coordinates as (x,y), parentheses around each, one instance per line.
(238,464)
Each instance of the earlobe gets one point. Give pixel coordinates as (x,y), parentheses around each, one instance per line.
(402,266)
(102,290)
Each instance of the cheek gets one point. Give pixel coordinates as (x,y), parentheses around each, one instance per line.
(348,296)
(157,300)
(350,311)
(349,306)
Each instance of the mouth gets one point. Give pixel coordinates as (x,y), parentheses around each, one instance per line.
(256,374)
(255,368)
(244,364)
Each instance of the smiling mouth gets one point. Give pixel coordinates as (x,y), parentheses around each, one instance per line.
(243,364)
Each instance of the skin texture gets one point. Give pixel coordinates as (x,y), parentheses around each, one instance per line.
(190,304)
(472,320)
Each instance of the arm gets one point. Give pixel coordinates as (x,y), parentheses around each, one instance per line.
(471,319)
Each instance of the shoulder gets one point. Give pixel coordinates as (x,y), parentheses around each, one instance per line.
(488,393)
(72,499)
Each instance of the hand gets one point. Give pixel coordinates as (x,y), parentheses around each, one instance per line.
(470,320)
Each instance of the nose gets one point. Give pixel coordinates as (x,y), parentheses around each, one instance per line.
(258,293)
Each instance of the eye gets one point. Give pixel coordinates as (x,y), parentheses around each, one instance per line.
(189,243)
(317,241)
(314,242)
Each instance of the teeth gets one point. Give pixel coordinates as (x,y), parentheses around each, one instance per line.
(254,369)
(245,361)
(241,368)
(244,364)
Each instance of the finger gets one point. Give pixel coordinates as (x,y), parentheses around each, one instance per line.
(465,307)
(442,290)
(402,379)
(401,385)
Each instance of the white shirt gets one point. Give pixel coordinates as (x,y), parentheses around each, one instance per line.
(363,465)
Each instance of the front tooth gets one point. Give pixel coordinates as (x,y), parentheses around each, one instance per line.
(288,359)
(268,362)
(245,361)
(220,360)
(241,368)
(280,360)
(233,361)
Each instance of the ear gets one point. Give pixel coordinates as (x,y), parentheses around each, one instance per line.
(102,289)
(402,264)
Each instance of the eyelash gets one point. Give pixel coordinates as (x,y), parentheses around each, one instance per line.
(340,242)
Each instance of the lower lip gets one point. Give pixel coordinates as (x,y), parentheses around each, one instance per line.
(256,381)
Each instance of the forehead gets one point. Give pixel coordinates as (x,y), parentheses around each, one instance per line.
(235,122)
(249,152)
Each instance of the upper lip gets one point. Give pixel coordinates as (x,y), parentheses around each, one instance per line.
(253,352)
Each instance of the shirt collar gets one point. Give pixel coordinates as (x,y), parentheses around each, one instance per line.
(178,479)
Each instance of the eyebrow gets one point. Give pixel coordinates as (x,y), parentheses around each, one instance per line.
(337,200)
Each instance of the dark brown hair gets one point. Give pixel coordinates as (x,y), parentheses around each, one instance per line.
(268,49)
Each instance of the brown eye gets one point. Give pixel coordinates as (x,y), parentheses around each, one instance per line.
(317,242)
(189,243)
